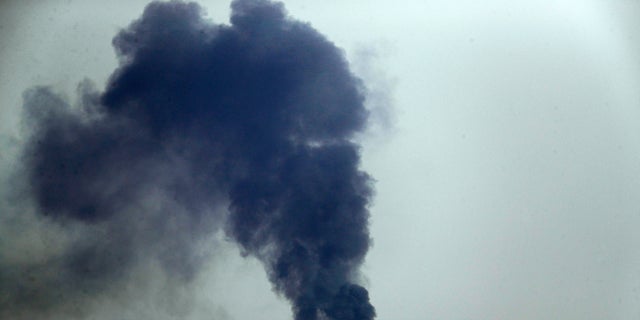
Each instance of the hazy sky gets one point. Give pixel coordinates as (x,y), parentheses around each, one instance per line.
(505,145)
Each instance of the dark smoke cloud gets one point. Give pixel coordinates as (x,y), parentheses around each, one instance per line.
(257,116)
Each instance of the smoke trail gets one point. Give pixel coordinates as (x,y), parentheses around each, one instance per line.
(257,115)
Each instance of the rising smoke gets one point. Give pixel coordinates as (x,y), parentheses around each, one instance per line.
(246,127)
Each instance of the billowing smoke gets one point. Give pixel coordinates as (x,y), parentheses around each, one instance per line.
(246,127)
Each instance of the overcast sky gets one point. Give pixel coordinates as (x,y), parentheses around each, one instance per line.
(505,144)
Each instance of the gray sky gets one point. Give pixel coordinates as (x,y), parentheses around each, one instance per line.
(506,148)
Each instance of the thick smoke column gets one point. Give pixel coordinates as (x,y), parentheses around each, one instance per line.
(257,116)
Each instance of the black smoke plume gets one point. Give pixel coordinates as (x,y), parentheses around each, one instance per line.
(257,116)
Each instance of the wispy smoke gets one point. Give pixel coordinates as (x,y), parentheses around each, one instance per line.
(245,127)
